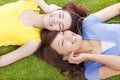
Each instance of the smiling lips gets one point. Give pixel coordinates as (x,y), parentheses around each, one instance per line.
(73,39)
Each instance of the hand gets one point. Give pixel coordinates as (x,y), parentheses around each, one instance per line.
(77,58)
(47,8)
(38,1)
(53,7)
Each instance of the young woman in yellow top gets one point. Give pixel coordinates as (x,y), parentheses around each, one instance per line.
(20,24)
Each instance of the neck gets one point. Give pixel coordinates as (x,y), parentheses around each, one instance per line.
(86,47)
(37,20)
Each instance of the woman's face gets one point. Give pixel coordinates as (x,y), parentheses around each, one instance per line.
(66,42)
(57,20)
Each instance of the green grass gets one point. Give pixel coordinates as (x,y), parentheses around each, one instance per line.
(31,68)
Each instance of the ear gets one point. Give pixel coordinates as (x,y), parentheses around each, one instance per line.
(65,57)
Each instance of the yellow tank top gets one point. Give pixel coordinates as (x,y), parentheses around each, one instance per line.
(12,31)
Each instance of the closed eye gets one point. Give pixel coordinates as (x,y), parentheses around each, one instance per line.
(60,15)
(62,43)
(61,26)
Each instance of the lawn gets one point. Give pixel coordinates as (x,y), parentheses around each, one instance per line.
(31,68)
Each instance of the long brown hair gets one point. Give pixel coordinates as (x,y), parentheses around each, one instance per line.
(52,57)
(78,12)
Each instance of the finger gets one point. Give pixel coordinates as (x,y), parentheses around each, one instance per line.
(71,54)
(59,7)
(70,57)
(65,57)
(75,55)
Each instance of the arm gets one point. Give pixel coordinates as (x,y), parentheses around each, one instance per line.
(47,8)
(109,60)
(106,72)
(24,51)
(108,12)
(22,0)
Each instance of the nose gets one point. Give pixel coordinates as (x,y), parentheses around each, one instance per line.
(58,20)
(55,20)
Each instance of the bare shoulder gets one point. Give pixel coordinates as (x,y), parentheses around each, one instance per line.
(27,16)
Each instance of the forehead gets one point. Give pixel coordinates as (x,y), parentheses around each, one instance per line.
(67,20)
(56,43)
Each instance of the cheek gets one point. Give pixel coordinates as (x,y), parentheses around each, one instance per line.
(67,24)
(56,27)
(66,27)
(67,48)
(68,44)
(46,21)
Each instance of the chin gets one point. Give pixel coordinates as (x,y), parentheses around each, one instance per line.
(45,23)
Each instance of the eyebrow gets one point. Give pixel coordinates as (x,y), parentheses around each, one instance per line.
(62,42)
(62,26)
(59,40)
(63,17)
(62,14)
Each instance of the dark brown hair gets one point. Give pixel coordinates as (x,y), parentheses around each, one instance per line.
(52,57)
(47,53)
(78,12)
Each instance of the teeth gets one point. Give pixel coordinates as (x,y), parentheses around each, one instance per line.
(73,40)
(50,21)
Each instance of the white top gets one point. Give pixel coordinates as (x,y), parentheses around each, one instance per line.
(107,45)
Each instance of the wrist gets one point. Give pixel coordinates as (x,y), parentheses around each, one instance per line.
(89,56)
(41,1)
(93,56)
(86,56)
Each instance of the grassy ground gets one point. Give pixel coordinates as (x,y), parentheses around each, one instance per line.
(31,68)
